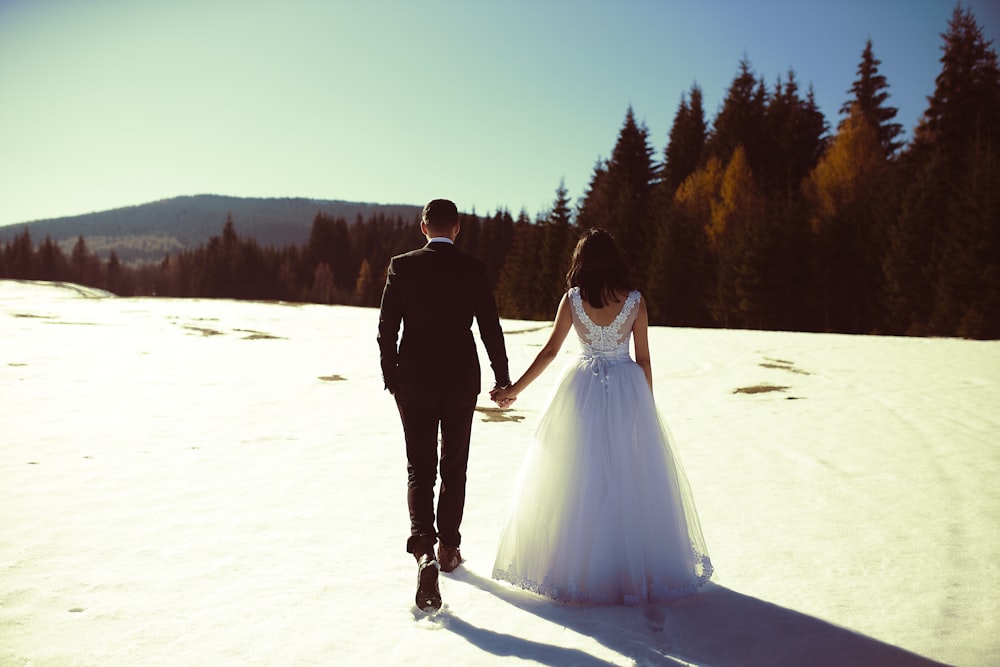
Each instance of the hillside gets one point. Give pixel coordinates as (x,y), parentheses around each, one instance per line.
(149,231)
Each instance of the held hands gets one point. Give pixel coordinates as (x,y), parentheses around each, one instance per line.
(503,396)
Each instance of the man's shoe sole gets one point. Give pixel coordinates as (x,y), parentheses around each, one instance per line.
(428,594)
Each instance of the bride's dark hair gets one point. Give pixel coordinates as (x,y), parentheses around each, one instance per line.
(598,269)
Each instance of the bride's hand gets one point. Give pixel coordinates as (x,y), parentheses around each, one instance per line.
(503,397)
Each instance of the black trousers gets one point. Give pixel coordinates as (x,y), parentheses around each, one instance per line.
(424,415)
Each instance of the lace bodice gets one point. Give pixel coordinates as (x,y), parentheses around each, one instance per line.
(611,341)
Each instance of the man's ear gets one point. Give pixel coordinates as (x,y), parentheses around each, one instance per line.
(423,228)
(458,227)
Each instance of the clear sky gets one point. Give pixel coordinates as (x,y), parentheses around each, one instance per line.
(108,103)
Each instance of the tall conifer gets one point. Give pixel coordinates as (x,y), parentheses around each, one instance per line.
(620,196)
(742,120)
(686,144)
(796,129)
(557,243)
(520,292)
(934,239)
(869,93)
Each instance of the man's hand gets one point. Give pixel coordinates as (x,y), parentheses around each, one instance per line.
(503,396)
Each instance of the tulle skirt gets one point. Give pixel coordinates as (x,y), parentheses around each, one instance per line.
(601,511)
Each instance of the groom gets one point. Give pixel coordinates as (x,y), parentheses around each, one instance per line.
(434,375)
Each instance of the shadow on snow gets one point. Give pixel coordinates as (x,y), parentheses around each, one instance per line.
(716,627)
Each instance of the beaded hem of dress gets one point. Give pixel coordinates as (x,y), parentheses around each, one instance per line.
(653,590)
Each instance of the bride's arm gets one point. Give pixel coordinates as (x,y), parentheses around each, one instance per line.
(640,338)
(560,328)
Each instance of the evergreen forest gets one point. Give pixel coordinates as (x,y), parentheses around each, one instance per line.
(766,217)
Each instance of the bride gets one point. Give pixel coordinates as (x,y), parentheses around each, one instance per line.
(601,511)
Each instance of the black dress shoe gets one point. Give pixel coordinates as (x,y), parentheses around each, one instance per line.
(428,594)
(449,557)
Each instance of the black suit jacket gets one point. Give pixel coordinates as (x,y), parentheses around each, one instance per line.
(435,292)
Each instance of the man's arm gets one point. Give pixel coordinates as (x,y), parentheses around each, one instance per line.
(389,317)
(490,331)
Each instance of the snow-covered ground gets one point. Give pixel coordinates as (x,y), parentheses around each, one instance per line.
(195,482)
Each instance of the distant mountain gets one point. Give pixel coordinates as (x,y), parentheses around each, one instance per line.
(149,231)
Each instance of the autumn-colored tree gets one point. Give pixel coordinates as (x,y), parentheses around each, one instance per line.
(847,194)
(738,236)
(368,287)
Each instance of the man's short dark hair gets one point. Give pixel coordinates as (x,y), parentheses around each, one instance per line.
(440,214)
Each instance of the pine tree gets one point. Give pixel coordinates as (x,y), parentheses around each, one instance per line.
(495,243)
(906,264)
(520,294)
(84,266)
(289,281)
(116,275)
(557,244)
(595,204)
(951,156)
(868,96)
(330,243)
(964,106)
(21,257)
(686,143)
(681,271)
(967,284)
(469,237)
(620,196)
(229,237)
(742,121)
(796,138)
(50,262)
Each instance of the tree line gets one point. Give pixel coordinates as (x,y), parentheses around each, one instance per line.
(763,218)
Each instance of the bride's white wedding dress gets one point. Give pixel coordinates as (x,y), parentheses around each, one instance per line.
(601,511)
